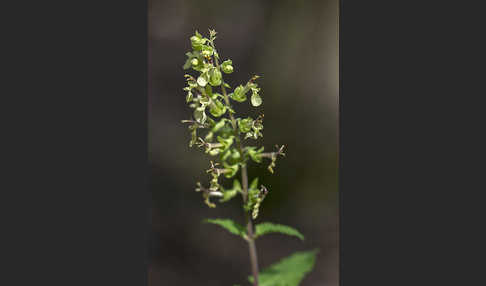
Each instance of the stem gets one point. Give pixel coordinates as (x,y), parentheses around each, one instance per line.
(249,227)
(244,181)
(223,89)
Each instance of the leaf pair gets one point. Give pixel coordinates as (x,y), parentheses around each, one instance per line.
(289,271)
(260,229)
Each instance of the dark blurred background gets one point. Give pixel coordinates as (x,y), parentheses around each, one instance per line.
(293,45)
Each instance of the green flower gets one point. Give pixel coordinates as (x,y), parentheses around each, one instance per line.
(215,77)
(227,66)
(197,41)
(238,94)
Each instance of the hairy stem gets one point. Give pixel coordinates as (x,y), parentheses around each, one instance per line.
(244,181)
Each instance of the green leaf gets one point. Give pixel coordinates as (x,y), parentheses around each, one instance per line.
(229,225)
(289,271)
(256,100)
(268,227)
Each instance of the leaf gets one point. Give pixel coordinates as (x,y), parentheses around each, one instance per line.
(289,271)
(229,225)
(268,227)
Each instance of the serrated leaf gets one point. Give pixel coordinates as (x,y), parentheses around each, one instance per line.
(289,271)
(229,225)
(268,227)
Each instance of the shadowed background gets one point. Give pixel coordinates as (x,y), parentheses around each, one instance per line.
(293,46)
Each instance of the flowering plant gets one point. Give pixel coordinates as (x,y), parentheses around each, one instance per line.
(229,138)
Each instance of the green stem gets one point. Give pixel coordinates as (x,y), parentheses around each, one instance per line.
(244,181)
(249,228)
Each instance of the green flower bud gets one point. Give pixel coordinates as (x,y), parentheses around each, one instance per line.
(200,115)
(227,67)
(189,96)
(209,136)
(255,154)
(225,155)
(207,51)
(215,77)
(202,81)
(238,94)
(256,100)
(226,142)
(194,62)
(245,124)
(219,125)
(233,169)
(217,108)
(197,41)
